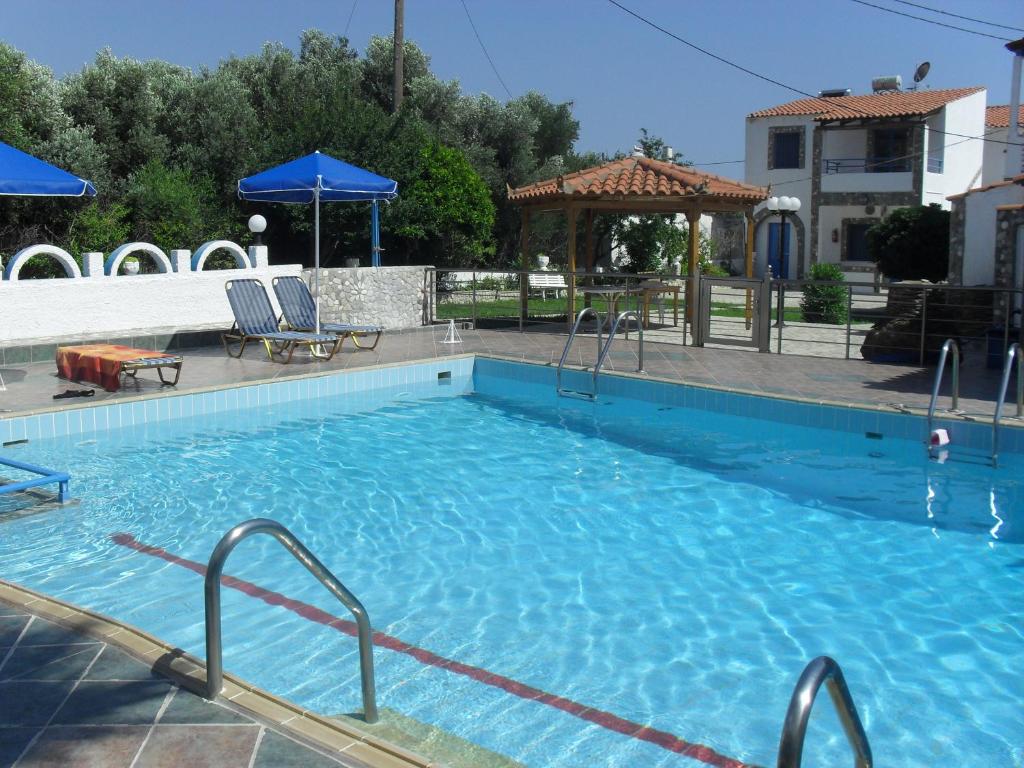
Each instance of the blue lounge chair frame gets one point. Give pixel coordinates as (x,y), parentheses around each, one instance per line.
(299,312)
(255,321)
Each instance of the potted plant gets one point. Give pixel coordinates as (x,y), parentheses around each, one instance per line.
(543,261)
(131,266)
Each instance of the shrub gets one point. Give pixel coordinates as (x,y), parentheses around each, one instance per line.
(824,303)
(912,243)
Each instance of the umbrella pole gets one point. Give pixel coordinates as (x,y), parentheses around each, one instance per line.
(375,237)
(316,249)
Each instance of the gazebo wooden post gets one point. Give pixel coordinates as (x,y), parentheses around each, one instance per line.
(524,266)
(693,249)
(589,248)
(570,212)
(748,264)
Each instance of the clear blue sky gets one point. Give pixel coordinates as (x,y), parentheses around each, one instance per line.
(620,74)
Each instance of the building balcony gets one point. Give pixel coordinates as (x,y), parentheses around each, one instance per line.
(865,174)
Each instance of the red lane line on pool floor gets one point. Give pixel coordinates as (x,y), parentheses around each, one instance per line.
(607,720)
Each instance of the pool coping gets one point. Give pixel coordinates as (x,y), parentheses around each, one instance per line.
(337,738)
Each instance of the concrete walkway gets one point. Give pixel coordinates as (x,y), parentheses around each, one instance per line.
(30,387)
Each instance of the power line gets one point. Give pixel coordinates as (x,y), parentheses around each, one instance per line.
(706,52)
(350,15)
(929,21)
(484,49)
(812,97)
(957,15)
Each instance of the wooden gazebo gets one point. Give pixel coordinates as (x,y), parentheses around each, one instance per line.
(636,186)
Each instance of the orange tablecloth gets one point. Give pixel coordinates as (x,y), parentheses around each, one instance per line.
(98,363)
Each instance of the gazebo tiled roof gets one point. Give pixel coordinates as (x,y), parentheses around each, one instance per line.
(892,104)
(638,179)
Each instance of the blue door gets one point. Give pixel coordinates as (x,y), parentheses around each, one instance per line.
(778,269)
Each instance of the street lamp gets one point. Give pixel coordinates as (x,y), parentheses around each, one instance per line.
(257,224)
(783,206)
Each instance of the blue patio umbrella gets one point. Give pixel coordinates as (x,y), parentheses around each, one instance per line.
(22,174)
(317,177)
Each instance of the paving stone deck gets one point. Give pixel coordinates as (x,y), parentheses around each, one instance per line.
(68,700)
(31,386)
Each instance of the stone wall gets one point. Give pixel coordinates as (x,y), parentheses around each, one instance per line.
(394,297)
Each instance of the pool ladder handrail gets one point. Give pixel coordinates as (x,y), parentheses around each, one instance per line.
(584,313)
(1012,354)
(939,372)
(794,730)
(214,569)
(629,313)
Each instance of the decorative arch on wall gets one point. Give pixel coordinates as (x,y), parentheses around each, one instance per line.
(66,260)
(122,252)
(798,229)
(204,251)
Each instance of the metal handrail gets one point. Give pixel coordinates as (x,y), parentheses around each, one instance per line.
(1013,353)
(572,335)
(949,344)
(794,729)
(231,539)
(611,337)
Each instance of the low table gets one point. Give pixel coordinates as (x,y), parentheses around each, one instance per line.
(103,364)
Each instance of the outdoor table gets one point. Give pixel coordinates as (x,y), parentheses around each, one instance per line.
(612,294)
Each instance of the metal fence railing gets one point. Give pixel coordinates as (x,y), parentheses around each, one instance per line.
(509,298)
(892,322)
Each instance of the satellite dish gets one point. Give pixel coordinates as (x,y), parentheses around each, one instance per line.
(922,71)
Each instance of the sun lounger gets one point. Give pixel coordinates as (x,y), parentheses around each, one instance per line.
(299,313)
(103,364)
(255,320)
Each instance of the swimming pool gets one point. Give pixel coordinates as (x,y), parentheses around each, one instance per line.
(552,574)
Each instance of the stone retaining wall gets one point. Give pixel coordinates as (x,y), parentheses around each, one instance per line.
(394,297)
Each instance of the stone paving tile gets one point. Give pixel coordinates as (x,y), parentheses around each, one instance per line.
(42,632)
(112,746)
(96,702)
(185,708)
(278,752)
(209,747)
(13,742)
(48,662)
(115,664)
(30,703)
(10,628)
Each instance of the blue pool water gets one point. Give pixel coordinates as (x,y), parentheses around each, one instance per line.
(670,566)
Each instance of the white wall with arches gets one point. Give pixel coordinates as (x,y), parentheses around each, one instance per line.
(95,300)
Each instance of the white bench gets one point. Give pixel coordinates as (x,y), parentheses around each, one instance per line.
(549,282)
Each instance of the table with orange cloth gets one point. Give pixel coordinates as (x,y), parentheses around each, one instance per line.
(103,364)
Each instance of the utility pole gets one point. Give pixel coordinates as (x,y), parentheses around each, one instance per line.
(398,40)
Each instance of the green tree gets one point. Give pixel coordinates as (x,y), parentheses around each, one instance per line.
(912,243)
(173,208)
(448,205)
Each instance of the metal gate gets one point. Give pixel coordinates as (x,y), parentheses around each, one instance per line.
(734,311)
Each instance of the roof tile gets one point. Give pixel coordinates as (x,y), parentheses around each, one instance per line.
(638,177)
(875,105)
(998,116)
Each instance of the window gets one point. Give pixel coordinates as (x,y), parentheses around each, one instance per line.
(786,147)
(856,245)
(890,151)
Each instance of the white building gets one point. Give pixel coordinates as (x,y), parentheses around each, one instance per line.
(997,129)
(853,159)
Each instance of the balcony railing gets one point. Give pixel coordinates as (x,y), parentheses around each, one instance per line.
(867,165)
